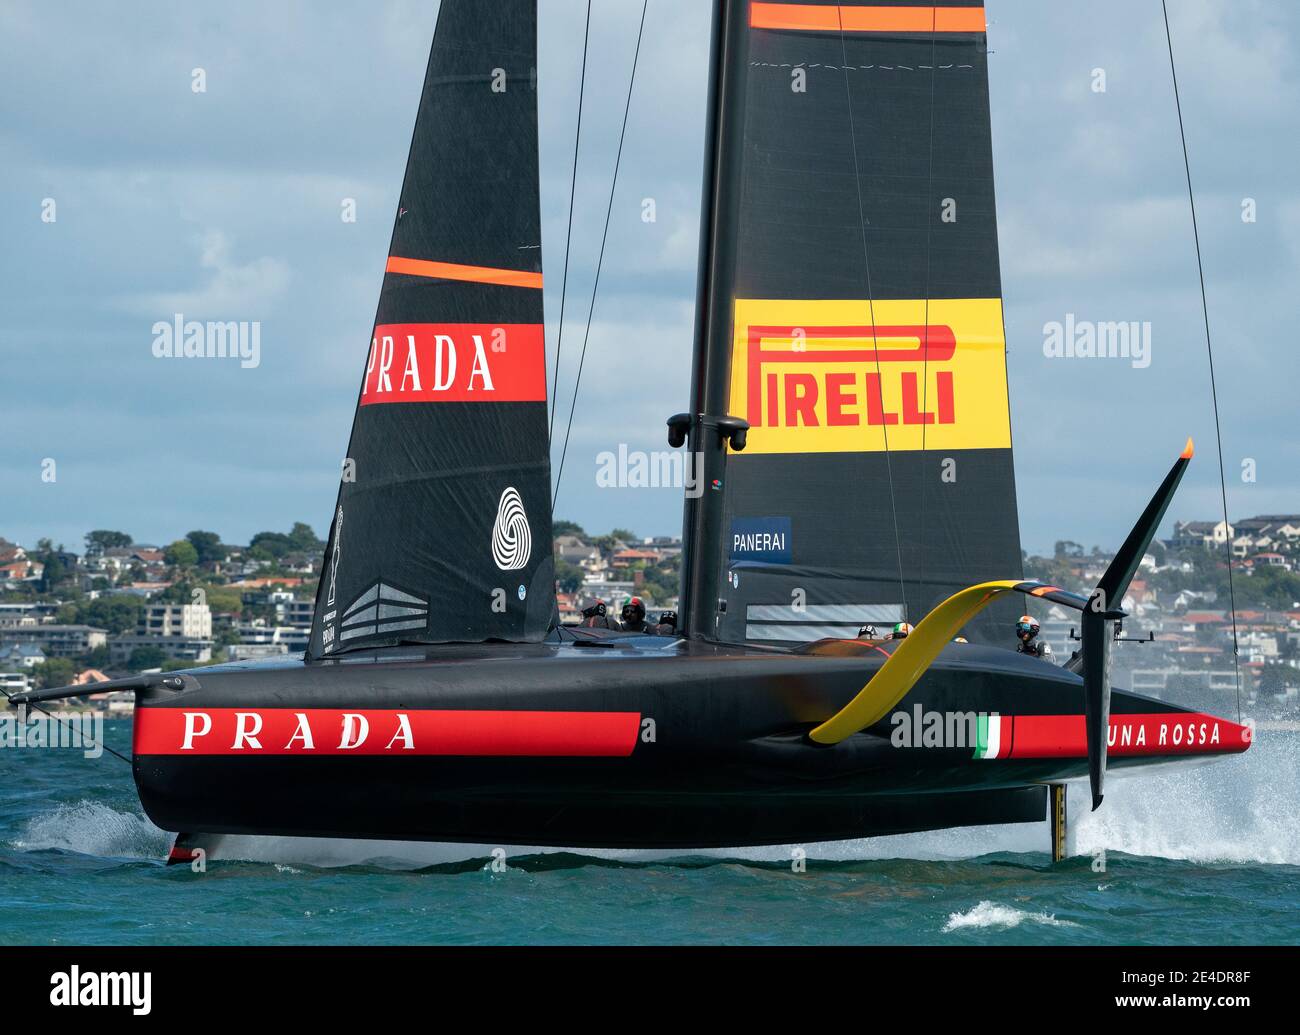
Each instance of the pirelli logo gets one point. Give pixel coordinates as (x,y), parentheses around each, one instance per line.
(819,376)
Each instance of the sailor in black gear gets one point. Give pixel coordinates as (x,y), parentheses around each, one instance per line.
(594,617)
(868,632)
(1028,641)
(633,616)
(667,624)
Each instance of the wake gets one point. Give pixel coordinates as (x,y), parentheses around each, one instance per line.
(1239,809)
(91,828)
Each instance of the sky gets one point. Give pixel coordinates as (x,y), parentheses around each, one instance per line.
(226,205)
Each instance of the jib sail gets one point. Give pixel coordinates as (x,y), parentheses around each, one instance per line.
(855,254)
(442,530)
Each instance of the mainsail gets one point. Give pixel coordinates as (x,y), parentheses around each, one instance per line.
(442,530)
(857,320)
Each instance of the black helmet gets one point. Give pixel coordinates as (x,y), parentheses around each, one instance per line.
(634,610)
(668,618)
(596,610)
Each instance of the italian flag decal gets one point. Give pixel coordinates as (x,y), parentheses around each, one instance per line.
(994,736)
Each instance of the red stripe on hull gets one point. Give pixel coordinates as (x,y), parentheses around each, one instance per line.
(334,731)
(1161,733)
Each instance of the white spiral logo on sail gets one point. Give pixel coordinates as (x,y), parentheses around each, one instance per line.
(334,560)
(512,539)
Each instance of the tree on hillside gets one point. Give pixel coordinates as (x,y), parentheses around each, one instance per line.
(300,539)
(117,613)
(105,539)
(53,573)
(146,657)
(207,545)
(1270,588)
(181,554)
(51,559)
(567,576)
(671,565)
(223,599)
(54,672)
(101,658)
(228,636)
(659,590)
(559,528)
(304,539)
(1055,571)
(267,545)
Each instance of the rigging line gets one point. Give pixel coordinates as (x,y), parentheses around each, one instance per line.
(871,304)
(929,241)
(600,259)
(1209,350)
(568,236)
(63,722)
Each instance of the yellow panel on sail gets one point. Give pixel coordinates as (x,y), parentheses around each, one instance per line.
(852,375)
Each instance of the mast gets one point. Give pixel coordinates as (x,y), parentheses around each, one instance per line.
(707,425)
(850,311)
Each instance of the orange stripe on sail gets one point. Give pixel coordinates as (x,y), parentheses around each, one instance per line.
(833,17)
(454,271)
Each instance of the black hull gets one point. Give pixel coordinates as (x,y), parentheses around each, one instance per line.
(707,747)
(432,803)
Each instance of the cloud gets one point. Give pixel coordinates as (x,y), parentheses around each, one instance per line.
(226,205)
(228,289)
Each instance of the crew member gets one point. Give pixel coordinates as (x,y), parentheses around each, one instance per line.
(667,624)
(868,632)
(900,631)
(633,616)
(1028,641)
(595,617)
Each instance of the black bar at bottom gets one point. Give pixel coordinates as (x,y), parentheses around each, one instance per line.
(193,984)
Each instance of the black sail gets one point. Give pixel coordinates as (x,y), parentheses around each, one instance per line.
(442,530)
(857,302)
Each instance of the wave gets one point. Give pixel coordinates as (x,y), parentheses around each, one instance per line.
(1238,810)
(991,914)
(91,828)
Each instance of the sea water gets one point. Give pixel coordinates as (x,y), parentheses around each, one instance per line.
(1205,854)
